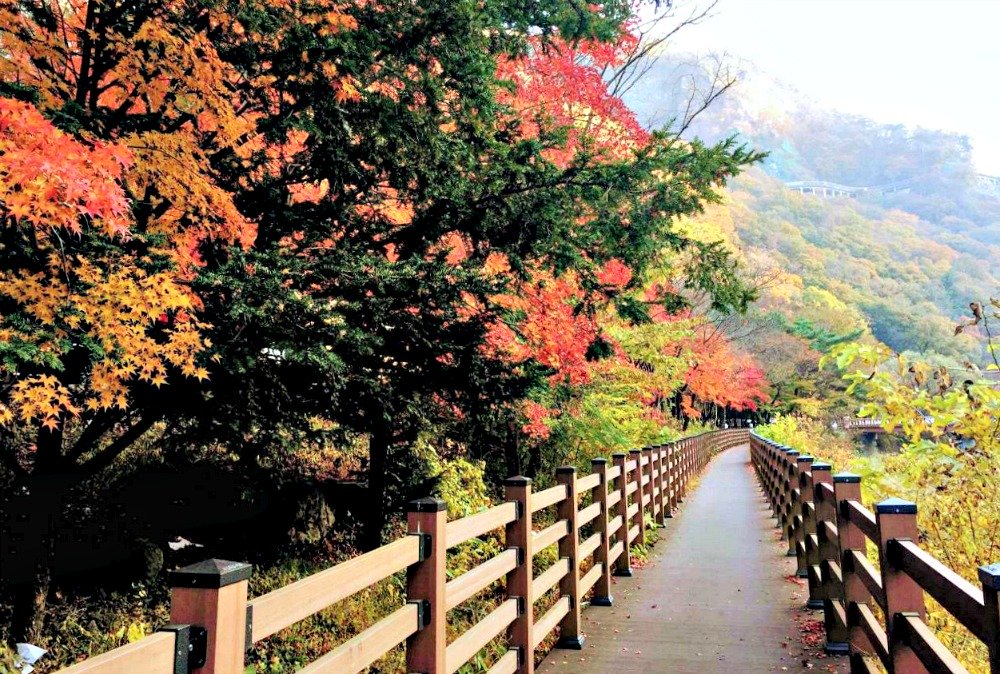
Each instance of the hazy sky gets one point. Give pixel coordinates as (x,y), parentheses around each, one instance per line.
(929,63)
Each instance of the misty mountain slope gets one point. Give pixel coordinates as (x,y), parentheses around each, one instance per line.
(910,261)
(911,288)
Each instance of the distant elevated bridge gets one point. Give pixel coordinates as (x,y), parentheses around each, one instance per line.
(829,190)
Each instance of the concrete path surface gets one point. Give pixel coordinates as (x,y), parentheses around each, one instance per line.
(717,594)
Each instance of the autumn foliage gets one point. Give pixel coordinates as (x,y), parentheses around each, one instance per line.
(136,322)
(254,230)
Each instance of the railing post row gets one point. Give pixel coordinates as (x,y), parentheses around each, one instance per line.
(656,481)
(647,472)
(518,534)
(796,541)
(602,590)
(819,474)
(425,582)
(623,565)
(569,586)
(640,520)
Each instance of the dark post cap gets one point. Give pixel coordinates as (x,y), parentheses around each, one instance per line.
(634,451)
(822,465)
(210,574)
(517,481)
(803,459)
(619,455)
(599,460)
(563,470)
(896,506)
(990,576)
(847,478)
(426,505)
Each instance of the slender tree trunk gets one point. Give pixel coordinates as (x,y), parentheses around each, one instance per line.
(378,456)
(512,457)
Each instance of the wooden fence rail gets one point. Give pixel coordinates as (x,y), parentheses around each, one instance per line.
(829,531)
(215,624)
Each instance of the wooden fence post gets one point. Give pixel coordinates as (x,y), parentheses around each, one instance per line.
(788,496)
(656,473)
(569,585)
(213,594)
(640,496)
(650,494)
(830,569)
(897,520)
(989,576)
(847,487)
(623,565)
(518,535)
(671,469)
(819,474)
(602,590)
(684,470)
(425,582)
(795,538)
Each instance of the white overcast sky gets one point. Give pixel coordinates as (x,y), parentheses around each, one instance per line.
(929,63)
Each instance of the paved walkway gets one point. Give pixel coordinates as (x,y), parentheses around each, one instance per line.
(716,596)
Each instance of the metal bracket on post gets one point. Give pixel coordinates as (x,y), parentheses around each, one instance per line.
(190,647)
(424,548)
(423,612)
(248,643)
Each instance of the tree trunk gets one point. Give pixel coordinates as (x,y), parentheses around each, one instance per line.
(30,599)
(378,455)
(512,457)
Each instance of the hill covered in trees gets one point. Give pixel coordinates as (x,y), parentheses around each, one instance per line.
(909,256)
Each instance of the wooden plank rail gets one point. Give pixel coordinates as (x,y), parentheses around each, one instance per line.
(471,582)
(153,655)
(359,652)
(829,531)
(466,646)
(648,483)
(286,606)
(953,592)
(550,535)
(460,531)
(549,497)
(548,578)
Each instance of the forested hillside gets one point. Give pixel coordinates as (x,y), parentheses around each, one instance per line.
(910,260)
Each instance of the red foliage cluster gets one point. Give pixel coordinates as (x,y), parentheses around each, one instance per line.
(722,377)
(53,181)
(553,331)
(562,86)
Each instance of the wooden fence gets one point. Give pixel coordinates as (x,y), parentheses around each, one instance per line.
(215,624)
(876,614)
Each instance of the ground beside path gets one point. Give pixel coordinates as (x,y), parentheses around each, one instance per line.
(717,595)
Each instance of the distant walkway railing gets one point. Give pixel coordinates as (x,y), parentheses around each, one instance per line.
(857,424)
(596,519)
(828,531)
